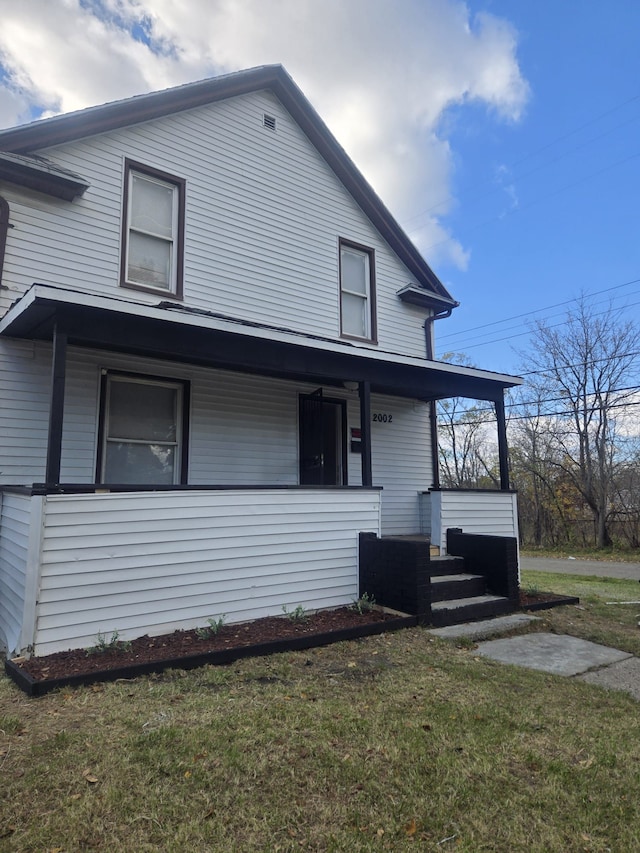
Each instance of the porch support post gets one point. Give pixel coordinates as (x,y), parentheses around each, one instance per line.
(435,458)
(365,432)
(56,408)
(503,450)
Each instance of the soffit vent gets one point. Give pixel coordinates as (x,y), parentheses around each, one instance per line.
(269,121)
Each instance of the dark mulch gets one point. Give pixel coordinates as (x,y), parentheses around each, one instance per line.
(185,644)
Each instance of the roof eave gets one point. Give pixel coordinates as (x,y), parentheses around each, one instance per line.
(41,176)
(56,130)
(414,295)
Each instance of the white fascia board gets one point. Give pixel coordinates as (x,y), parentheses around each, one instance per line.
(238,327)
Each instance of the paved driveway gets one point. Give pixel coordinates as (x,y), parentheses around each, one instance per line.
(601,568)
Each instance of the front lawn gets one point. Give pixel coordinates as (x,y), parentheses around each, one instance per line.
(398,742)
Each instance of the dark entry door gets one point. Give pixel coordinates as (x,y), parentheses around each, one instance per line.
(322,440)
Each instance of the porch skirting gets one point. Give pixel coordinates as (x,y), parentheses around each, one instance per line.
(76,565)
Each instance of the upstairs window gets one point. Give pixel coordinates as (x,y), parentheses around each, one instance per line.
(153,231)
(357,292)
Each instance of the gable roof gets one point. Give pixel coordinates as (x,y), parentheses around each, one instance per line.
(28,139)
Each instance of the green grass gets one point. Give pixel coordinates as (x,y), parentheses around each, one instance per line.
(616,554)
(390,743)
(587,586)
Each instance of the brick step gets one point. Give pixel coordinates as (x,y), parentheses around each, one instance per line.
(446,565)
(469,609)
(451,587)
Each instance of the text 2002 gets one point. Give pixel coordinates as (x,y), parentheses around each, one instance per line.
(382,418)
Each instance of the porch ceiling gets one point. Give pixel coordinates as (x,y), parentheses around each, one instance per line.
(166,332)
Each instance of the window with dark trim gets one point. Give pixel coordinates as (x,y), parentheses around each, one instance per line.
(152,230)
(357,291)
(143,430)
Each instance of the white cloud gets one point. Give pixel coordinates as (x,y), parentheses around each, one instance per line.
(381,73)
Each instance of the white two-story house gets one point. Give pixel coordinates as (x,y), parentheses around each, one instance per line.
(216,368)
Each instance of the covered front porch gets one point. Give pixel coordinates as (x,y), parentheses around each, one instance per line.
(244,537)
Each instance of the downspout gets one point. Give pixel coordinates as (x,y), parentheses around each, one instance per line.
(4,230)
(428,331)
(433,417)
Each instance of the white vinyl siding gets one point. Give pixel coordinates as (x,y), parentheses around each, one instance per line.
(14,543)
(264,217)
(139,563)
(401,460)
(489,513)
(25,380)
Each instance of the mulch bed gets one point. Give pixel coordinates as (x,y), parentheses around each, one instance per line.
(186,649)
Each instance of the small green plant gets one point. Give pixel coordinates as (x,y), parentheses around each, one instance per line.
(104,645)
(364,604)
(297,615)
(212,628)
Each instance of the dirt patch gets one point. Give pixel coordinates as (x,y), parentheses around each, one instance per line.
(530,600)
(187,644)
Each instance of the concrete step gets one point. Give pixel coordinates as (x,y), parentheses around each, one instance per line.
(451,587)
(453,612)
(446,565)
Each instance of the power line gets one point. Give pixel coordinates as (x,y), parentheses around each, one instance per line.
(478,338)
(536,201)
(509,404)
(590,363)
(566,413)
(533,153)
(539,310)
(520,177)
(528,332)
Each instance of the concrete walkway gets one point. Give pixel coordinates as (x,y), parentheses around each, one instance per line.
(559,654)
(599,568)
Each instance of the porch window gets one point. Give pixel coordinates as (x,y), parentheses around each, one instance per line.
(142,431)
(153,230)
(357,291)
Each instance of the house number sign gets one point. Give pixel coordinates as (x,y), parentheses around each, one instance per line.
(382,418)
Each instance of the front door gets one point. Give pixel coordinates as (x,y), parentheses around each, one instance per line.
(323,430)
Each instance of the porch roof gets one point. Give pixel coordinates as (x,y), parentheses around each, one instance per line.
(172,332)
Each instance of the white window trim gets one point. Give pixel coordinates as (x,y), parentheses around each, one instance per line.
(178,386)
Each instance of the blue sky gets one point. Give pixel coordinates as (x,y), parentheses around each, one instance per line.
(568,219)
(503,135)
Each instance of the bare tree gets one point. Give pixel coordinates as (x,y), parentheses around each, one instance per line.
(538,478)
(582,372)
(467,453)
